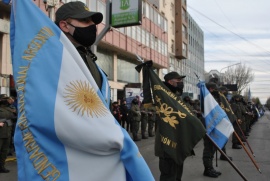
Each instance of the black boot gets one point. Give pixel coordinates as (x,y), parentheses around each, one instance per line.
(236,146)
(135,137)
(211,172)
(144,136)
(222,157)
(3,170)
(150,134)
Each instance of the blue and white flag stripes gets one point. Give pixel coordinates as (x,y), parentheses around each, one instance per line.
(217,123)
(64,129)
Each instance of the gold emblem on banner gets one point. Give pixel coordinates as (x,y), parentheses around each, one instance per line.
(83,99)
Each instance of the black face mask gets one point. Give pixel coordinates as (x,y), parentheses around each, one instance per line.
(215,93)
(180,86)
(86,36)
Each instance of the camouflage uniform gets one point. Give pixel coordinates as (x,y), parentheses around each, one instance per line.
(5,136)
(135,122)
(151,120)
(144,121)
(236,108)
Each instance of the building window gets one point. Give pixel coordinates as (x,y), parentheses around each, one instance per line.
(143,37)
(147,38)
(125,68)
(139,34)
(147,11)
(105,62)
(184,15)
(102,9)
(133,32)
(129,31)
(184,49)
(165,25)
(184,31)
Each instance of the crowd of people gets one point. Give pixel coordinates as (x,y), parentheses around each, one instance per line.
(138,120)
(242,114)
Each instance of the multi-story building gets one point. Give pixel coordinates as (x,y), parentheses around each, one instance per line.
(162,37)
(193,65)
(5,56)
(186,44)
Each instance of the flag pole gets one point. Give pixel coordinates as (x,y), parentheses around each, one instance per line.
(245,138)
(227,158)
(255,164)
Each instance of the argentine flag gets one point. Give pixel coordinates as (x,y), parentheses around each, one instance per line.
(218,125)
(65,130)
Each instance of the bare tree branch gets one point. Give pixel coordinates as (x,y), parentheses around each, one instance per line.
(241,75)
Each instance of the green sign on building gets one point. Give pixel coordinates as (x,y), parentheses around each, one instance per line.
(126,13)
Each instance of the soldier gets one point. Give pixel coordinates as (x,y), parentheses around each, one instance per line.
(136,118)
(6,117)
(209,148)
(144,120)
(170,171)
(238,113)
(151,120)
(222,101)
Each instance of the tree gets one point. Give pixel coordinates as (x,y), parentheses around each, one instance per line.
(241,75)
(268,103)
(256,101)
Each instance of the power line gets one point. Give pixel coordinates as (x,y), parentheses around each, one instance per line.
(230,31)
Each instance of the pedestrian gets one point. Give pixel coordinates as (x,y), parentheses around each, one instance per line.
(169,169)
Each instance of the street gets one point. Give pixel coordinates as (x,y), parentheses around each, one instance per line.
(259,141)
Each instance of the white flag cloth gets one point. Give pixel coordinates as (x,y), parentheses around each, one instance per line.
(218,125)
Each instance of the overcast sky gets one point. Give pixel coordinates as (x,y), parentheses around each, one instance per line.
(236,31)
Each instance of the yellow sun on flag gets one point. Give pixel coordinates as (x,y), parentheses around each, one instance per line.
(83,99)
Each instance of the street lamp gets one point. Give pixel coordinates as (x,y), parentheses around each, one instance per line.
(229,66)
(223,77)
